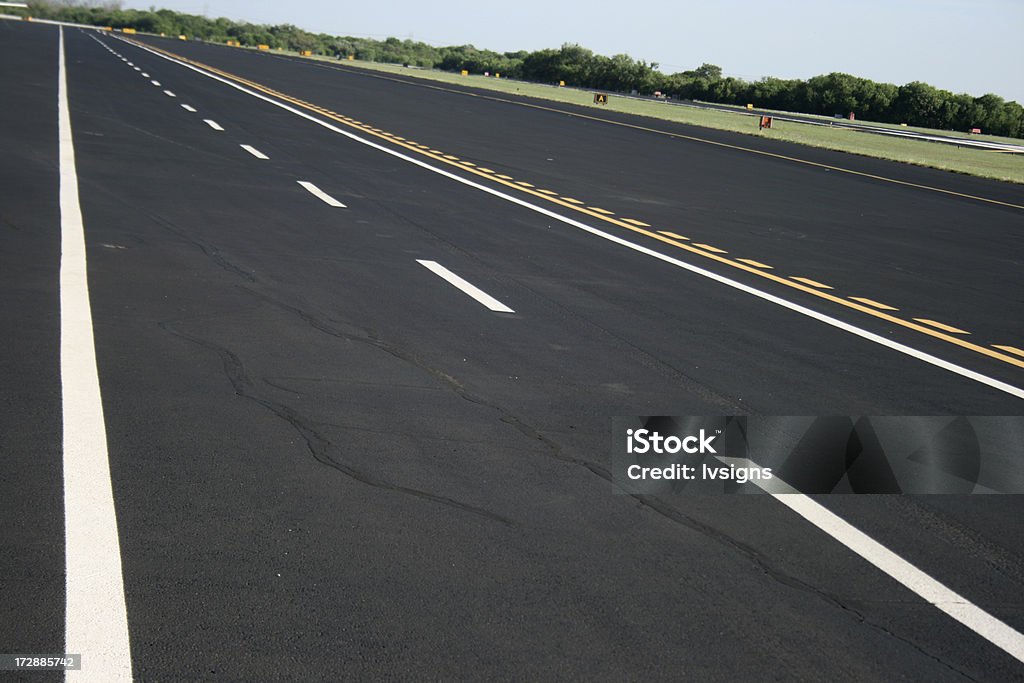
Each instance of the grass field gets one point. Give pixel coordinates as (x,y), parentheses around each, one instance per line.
(987,164)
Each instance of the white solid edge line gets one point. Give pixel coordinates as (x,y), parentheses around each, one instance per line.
(96,619)
(212,124)
(188,107)
(320,194)
(935,593)
(255,152)
(829,320)
(779,301)
(466,287)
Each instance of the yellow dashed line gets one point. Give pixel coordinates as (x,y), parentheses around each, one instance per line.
(674,236)
(812,283)
(1009,349)
(449,156)
(876,304)
(941,326)
(436,151)
(468,163)
(635,222)
(710,248)
(550,193)
(524,184)
(505,177)
(606,212)
(752,262)
(571,200)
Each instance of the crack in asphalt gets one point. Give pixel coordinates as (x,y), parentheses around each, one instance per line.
(318,445)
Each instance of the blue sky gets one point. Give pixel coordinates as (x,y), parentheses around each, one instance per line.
(960,45)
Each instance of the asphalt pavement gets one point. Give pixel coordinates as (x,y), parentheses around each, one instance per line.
(329,462)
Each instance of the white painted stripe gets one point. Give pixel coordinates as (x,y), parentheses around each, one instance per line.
(935,593)
(470,289)
(156,83)
(96,621)
(144,74)
(212,124)
(169,93)
(129,63)
(138,69)
(929,589)
(188,107)
(255,152)
(317,192)
(779,301)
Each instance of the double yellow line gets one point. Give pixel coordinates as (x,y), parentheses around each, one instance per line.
(607,216)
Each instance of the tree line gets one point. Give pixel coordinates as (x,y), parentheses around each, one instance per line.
(916,103)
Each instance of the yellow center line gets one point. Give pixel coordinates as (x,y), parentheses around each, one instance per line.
(1010,349)
(941,326)
(812,283)
(752,262)
(607,216)
(710,248)
(876,304)
(633,221)
(674,236)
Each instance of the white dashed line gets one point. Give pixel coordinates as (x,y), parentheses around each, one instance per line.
(156,83)
(188,107)
(255,152)
(169,93)
(317,192)
(212,124)
(472,290)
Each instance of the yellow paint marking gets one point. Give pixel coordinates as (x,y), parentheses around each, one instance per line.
(550,193)
(633,221)
(571,200)
(604,212)
(468,163)
(756,264)
(449,156)
(876,304)
(436,151)
(674,236)
(505,177)
(1010,349)
(812,283)
(607,217)
(710,248)
(524,184)
(488,170)
(397,138)
(942,326)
